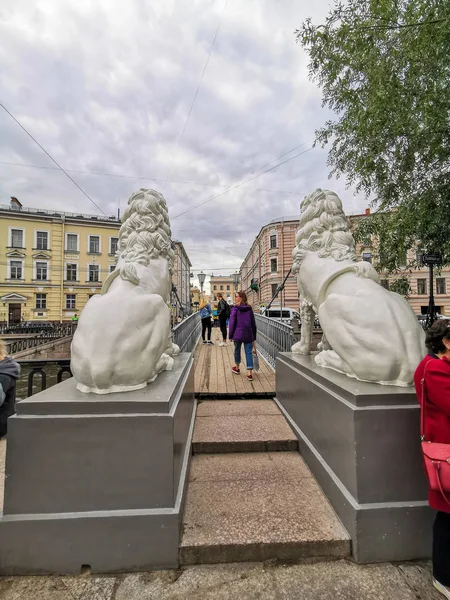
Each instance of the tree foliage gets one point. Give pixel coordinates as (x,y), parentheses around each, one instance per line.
(384,69)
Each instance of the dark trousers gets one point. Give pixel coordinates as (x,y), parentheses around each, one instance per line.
(223,326)
(441,548)
(206,325)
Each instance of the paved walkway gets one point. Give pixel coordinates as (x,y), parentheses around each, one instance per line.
(214,379)
(341,580)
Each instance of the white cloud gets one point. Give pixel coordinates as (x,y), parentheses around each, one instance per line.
(107,87)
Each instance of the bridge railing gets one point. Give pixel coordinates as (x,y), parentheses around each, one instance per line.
(187,333)
(38,374)
(41,338)
(273,337)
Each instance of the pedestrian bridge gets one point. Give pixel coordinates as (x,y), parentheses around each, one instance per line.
(213,375)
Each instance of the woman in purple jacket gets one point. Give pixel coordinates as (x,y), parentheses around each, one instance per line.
(242,330)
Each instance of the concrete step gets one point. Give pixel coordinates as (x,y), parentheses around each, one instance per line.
(241,426)
(256,507)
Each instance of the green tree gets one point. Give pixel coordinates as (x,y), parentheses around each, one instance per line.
(384,69)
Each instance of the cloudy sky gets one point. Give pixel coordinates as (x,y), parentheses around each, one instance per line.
(108,88)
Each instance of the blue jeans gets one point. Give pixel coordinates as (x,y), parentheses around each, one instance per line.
(248,346)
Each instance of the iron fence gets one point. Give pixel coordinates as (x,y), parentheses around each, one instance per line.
(28,327)
(40,339)
(37,373)
(187,333)
(273,337)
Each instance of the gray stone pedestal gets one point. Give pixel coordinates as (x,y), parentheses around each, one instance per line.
(361,441)
(98,480)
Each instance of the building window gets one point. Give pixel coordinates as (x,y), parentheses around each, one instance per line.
(41,301)
(71,301)
(440,285)
(112,268)
(72,242)
(94,244)
(41,240)
(385,283)
(367,256)
(422,286)
(228,288)
(16,269)
(273,265)
(215,287)
(93,272)
(41,271)
(274,287)
(17,238)
(113,244)
(273,241)
(221,288)
(71,272)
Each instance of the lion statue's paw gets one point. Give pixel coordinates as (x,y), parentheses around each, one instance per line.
(301,348)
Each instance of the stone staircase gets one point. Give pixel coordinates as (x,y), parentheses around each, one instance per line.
(250,496)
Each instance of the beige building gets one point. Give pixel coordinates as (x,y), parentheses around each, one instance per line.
(195,298)
(270,258)
(267,264)
(181,279)
(224,284)
(52,262)
(418,279)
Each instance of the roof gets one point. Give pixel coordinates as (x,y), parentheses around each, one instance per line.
(41,212)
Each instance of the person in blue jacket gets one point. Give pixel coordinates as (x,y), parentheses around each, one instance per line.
(206,316)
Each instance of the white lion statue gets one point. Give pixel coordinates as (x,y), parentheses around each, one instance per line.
(370,334)
(123,339)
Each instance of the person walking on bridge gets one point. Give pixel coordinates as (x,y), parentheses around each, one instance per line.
(242,330)
(223,312)
(206,315)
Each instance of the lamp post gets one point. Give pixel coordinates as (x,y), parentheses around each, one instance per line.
(431,260)
(201,279)
(236,278)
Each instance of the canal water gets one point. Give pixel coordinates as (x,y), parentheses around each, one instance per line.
(51,371)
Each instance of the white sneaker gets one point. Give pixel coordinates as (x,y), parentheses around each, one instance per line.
(445,591)
(222,344)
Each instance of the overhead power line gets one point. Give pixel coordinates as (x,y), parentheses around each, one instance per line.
(97,173)
(51,158)
(239,184)
(196,93)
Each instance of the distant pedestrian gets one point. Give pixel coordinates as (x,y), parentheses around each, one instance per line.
(206,315)
(223,311)
(432,381)
(242,330)
(75,318)
(9,374)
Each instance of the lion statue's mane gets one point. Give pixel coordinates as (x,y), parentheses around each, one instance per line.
(145,234)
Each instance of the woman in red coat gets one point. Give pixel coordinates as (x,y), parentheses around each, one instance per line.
(437,429)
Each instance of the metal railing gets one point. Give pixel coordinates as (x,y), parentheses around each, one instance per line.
(187,333)
(37,373)
(40,339)
(273,337)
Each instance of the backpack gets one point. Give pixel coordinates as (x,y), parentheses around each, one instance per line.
(227,309)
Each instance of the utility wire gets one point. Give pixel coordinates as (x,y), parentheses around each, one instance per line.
(13,164)
(51,158)
(196,93)
(237,185)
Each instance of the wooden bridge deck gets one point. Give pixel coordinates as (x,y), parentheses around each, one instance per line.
(214,378)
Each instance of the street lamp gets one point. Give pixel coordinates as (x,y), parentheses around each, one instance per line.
(201,279)
(236,278)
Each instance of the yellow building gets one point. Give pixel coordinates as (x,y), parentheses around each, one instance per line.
(52,262)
